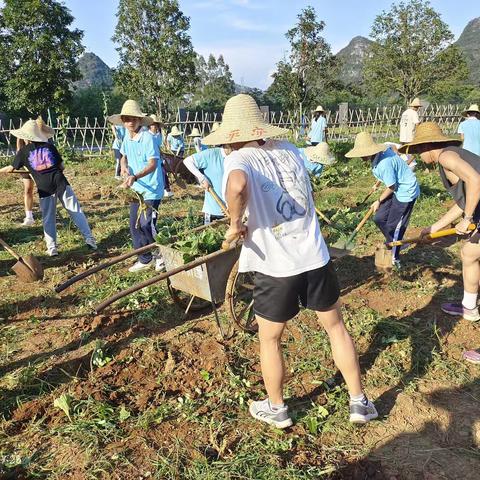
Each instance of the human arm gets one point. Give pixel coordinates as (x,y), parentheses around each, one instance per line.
(387,193)
(189,162)
(237,197)
(451,216)
(114,131)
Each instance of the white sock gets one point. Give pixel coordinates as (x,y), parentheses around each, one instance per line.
(358,398)
(469,300)
(275,407)
(29,214)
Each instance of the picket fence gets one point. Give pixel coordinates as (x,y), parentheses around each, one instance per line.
(92,137)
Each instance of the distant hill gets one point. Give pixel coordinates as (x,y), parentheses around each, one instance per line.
(95,72)
(352,58)
(469,42)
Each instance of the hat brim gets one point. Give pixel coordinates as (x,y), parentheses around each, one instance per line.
(314,157)
(359,152)
(117,119)
(414,147)
(225,135)
(466,112)
(196,135)
(22,135)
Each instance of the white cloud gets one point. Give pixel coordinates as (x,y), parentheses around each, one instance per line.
(250,26)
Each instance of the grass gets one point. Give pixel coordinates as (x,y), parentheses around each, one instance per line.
(152,395)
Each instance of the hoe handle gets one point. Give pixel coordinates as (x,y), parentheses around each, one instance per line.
(323,216)
(360,225)
(9,249)
(371,192)
(431,236)
(219,201)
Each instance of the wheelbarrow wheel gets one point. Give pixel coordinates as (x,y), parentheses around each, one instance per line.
(239,299)
(183,299)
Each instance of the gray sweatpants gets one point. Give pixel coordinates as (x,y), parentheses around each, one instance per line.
(48,206)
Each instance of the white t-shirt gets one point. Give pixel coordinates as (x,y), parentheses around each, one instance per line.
(284,237)
(404,156)
(408,121)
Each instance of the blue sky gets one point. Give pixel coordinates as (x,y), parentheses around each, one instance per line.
(251,33)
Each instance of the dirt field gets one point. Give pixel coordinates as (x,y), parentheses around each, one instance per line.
(138,392)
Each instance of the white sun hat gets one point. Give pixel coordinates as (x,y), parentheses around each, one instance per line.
(215,127)
(320,154)
(130,108)
(242,122)
(175,131)
(30,131)
(195,133)
(416,102)
(471,109)
(319,109)
(365,146)
(156,118)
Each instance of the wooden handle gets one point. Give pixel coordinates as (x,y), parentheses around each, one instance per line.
(364,220)
(219,201)
(323,217)
(9,249)
(431,236)
(371,192)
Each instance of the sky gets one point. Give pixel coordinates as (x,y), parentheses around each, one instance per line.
(251,33)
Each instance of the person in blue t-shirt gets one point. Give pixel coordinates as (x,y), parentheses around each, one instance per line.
(118,135)
(207,166)
(155,130)
(175,141)
(142,173)
(469,130)
(318,129)
(394,207)
(316,158)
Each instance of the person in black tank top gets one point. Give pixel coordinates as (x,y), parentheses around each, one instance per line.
(460,173)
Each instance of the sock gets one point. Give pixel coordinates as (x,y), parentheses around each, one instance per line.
(276,407)
(469,300)
(359,398)
(29,214)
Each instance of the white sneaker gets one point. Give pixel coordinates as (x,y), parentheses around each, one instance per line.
(28,222)
(363,411)
(167,194)
(52,252)
(262,410)
(139,266)
(91,244)
(160,264)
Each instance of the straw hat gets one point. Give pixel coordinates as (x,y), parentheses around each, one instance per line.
(319,109)
(320,154)
(156,119)
(428,132)
(416,102)
(30,131)
(471,109)
(130,108)
(195,133)
(48,131)
(365,146)
(242,122)
(215,127)
(175,131)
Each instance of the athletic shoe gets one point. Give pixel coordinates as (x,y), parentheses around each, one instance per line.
(362,412)
(139,266)
(396,264)
(167,194)
(262,410)
(118,177)
(52,252)
(91,244)
(472,356)
(28,222)
(458,310)
(159,264)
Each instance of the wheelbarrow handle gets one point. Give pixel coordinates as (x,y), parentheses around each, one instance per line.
(9,249)
(139,286)
(431,236)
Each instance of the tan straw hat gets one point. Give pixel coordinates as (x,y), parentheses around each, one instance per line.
(215,127)
(319,109)
(242,122)
(416,102)
(365,146)
(195,133)
(156,119)
(30,131)
(320,154)
(130,108)
(48,131)
(175,131)
(473,108)
(428,132)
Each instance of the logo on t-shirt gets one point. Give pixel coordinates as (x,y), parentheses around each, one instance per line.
(41,159)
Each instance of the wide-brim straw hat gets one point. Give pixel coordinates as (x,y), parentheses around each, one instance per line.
(156,119)
(195,133)
(130,108)
(427,132)
(471,109)
(365,146)
(48,131)
(416,102)
(215,127)
(242,122)
(175,131)
(30,131)
(319,109)
(320,154)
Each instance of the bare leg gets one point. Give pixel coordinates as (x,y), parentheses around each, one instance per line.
(28,194)
(271,358)
(343,348)
(471,267)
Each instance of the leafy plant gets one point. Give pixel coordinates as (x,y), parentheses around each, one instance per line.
(64,403)
(203,243)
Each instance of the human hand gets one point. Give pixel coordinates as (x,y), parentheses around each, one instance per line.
(205,184)
(425,232)
(130,180)
(235,232)
(462,227)
(375,206)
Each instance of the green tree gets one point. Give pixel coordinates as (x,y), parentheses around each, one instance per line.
(310,68)
(38,54)
(215,84)
(412,53)
(157,60)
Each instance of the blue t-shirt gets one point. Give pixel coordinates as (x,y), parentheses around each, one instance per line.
(210,162)
(315,169)
(120,132)
(317,130)
(176,143)
(390,169)
(471,135)
(139,150)
(157,141)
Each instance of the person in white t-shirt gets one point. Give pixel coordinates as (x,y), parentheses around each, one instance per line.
(266,180)
(409,121)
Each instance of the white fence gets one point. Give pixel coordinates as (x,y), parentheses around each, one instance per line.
(93,137)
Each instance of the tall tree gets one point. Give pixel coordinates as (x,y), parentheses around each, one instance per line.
(157,60)
(413,52)
(300,79)
(38,54)
(215,83)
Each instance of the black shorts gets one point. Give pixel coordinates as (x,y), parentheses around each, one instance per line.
(277,298)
